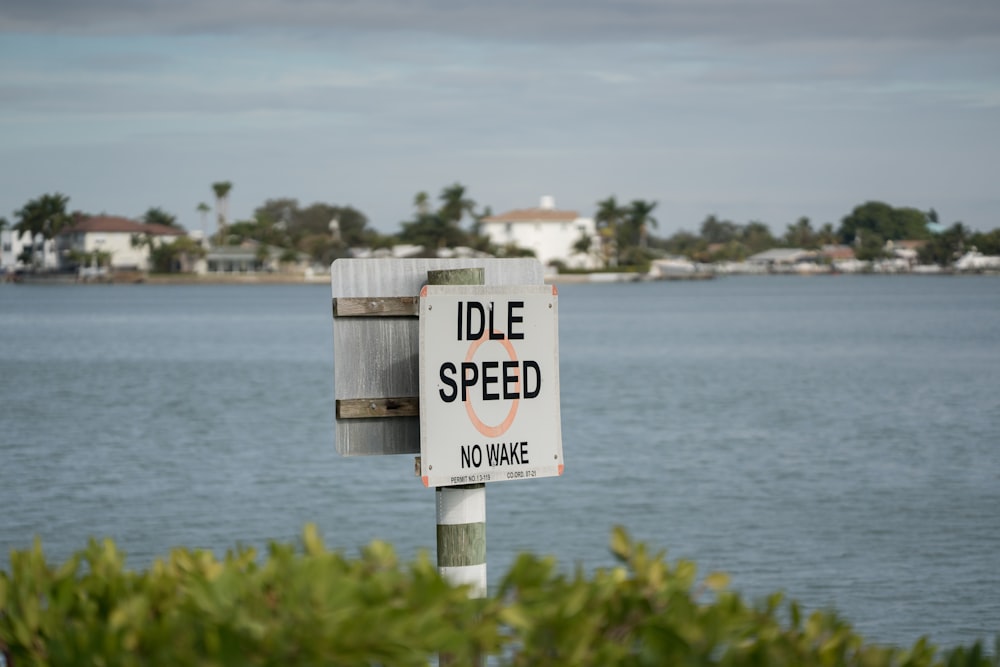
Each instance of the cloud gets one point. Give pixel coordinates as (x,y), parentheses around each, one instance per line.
(765,109)
(928,21)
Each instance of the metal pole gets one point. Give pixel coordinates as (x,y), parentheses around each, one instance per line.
(461,510)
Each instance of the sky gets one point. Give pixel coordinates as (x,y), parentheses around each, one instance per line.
(749,110)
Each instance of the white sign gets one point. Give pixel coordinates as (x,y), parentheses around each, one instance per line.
(489,384)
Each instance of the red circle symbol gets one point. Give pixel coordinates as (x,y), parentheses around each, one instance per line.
(482,427)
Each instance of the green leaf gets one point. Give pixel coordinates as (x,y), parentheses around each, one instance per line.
(717,581)
(312,541)
(621,545)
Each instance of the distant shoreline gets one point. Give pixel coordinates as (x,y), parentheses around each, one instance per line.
(236,279)
(596,278)
(136,278)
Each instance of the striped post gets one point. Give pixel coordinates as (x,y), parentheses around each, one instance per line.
(461,535)
(461,510)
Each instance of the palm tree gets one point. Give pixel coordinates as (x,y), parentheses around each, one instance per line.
(455,204)
(45,216)
(608,219)
(422,202)
(800,234)
(203,209)
(440,229)
(157,216)
(640,218)
(221,190)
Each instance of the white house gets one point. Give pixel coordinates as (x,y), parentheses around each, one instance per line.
(977,261)
(788,260)
(251,257)
(13,243)
(120,237)
(547,231)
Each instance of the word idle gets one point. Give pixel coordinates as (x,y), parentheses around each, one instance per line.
(497,454)
(478,321)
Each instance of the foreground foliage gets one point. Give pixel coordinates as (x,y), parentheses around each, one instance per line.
(313,606)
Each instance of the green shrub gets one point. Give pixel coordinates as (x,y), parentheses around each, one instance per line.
(313,606)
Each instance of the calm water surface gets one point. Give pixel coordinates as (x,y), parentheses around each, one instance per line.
(835,438)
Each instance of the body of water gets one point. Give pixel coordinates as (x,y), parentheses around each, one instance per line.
(835,438)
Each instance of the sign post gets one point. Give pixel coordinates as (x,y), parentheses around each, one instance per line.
(461,509)
(456,360)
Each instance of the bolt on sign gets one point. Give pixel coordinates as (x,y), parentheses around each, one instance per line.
(489,384)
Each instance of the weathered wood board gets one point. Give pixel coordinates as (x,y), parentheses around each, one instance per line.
(375,354)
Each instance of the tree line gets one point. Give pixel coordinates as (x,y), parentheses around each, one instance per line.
(323,232)
(866,229)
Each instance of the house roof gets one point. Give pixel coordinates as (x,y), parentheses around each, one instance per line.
(832,251)
(118,224)
(909,244)
(533,215)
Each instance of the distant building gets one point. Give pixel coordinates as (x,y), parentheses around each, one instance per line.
(906,251)
(246,257)
(778,257)
(119,237)
(548,232)
(976,261)
(13,244)
(837,253)
(409,251)
(251,257)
